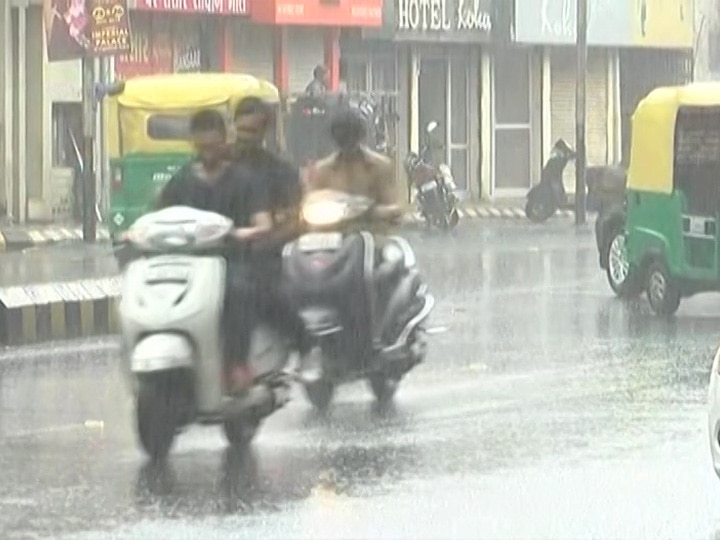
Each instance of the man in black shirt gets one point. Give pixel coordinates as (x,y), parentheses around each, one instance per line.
(212,182)
(282,181)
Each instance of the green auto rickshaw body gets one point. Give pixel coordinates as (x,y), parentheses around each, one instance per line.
(673,189)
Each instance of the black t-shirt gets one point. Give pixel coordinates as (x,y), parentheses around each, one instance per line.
(280,180)
(236,195)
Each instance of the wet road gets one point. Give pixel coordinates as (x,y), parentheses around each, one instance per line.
(61,262)
(547,410)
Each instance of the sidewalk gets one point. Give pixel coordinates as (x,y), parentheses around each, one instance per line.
(16,238)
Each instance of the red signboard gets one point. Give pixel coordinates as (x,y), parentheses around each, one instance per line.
(353,13)
(151,49)
(211,7)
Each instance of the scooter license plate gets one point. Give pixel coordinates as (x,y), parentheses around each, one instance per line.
(320,242)
(428,186)
(166,273)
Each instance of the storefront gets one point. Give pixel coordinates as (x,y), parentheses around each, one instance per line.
(306,33)
(435,49)
(178,37)
(615,32)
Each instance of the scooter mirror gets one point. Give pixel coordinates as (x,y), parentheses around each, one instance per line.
(432,126)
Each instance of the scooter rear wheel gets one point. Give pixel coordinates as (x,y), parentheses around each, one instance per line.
(320,393)
(538,212)
(239,432)
(383,387)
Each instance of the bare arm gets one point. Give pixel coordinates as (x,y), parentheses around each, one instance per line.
(261,226)
(386,207)
(261,220)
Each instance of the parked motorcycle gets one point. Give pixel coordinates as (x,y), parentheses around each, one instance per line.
(434,187)
(548,196)
(173,351)
(365,307)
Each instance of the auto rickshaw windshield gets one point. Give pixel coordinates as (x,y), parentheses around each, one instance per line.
(658,124)
(152,113)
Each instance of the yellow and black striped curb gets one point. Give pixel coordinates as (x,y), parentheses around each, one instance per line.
(16,239)
(490,212)
(58,311)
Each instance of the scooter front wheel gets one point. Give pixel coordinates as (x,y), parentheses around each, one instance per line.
(537,211)
(158,411)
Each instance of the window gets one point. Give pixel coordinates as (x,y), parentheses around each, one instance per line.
(173,127)
(166,127)
(697,159)
(714,50)
(66,134)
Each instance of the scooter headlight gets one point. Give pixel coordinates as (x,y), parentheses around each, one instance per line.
(323,213)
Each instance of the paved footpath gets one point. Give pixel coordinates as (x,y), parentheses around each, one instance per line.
(22,238)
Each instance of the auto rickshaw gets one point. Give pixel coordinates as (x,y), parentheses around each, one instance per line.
(148,131)
(671,243)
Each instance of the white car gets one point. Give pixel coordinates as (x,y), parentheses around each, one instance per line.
(714,414)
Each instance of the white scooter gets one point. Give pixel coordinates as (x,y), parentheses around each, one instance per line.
(170,316)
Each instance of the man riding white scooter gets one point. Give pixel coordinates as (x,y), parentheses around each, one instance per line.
(213,183)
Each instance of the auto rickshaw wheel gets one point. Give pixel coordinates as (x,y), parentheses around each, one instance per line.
(663,294)
(623,279)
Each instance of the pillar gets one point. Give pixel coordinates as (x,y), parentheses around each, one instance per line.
(281,59)
(487,127)
(545,106)
(332,57)
(6,103)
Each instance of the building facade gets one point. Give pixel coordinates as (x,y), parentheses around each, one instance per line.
(633,47)
(430,55)
(707,40)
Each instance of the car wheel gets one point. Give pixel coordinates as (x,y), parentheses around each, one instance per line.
(662,293)
(620,275)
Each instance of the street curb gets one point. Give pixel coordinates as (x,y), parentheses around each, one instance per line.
(17,239)
(58,311)
(490,212)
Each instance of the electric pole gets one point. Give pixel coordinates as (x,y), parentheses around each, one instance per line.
(580,87)
(88,150)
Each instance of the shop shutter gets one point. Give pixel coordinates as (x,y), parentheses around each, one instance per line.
(642,70)
(306,49)
(562,106)
(253,49)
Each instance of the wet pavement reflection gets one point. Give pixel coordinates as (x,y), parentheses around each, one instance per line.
(548,409)
(60,262)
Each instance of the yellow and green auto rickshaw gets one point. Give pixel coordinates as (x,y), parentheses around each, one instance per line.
(672,240)
(148,131)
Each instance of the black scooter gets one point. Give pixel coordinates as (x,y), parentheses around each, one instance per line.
(547,197)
